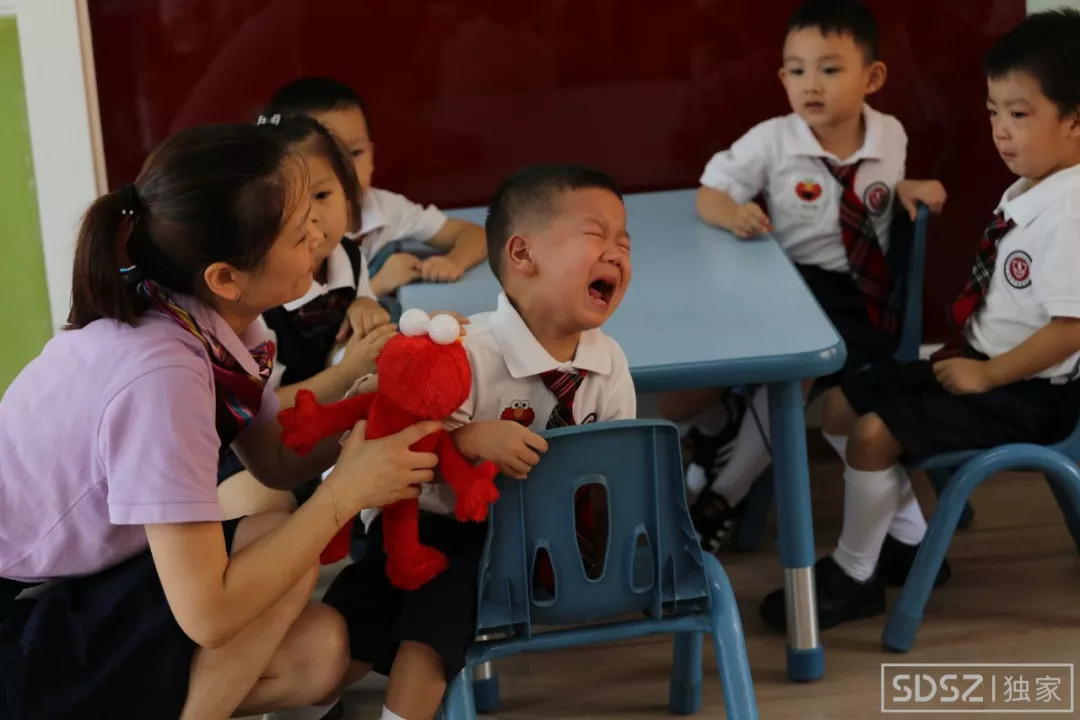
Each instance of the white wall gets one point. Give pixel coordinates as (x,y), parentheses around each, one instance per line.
(60,132)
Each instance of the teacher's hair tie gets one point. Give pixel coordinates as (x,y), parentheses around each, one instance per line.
(132,210)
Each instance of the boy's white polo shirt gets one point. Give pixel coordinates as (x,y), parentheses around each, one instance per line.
(781,159)
(1037,270)
(506,362)
(386,217)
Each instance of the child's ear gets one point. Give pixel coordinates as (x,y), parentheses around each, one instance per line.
(875,78)
(782,74)
(1073,119)
(518,255)
(223,280)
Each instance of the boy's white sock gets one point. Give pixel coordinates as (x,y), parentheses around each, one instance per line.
(311,712)
(871,498)
(908,524)
(388,714)
(695,479)
(750,456)
(838,443)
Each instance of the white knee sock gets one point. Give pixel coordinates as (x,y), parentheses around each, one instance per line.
(908,524)
(838,443)
(388,714)
(750,456)
(871,499)
(311,712)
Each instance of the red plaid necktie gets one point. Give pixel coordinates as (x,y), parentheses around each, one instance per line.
(868,267)
(971,299)
(968,302)
(564,385)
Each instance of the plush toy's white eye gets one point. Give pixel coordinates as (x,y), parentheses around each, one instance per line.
(414,322)
(444,329)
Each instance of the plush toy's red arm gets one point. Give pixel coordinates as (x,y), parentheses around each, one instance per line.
(474,485)
(308,422)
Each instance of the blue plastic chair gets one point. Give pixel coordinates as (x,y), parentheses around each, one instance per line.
(907,256)
(1057,462)
(653,565)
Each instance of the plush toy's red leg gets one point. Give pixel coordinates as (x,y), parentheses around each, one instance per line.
(409,565)
(474,485)
(308,422)
(338,547)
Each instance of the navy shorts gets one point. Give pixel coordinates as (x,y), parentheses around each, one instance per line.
(101,646)
(926,419)
(441,614)
(843,304)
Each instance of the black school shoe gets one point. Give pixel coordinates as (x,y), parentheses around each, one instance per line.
(896,560)
(839,598)
(712,452)
(714,520)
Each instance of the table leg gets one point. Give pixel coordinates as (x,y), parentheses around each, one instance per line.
(794,521)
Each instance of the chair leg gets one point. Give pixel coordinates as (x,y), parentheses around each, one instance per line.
(756,513)
(1069,509)
(906,616)
(939,478)
(458,703)
(485,682)
(684,694)
(730,645)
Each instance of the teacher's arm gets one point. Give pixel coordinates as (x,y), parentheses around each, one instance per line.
(214,596)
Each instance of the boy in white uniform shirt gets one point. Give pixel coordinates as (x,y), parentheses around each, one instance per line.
(386,218)
(828,171)
(559,247)
(1009,377)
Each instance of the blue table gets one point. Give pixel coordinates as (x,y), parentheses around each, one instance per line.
(707,310)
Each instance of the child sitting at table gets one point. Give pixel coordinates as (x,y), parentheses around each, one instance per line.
(305,331)
(387,218)
(1010,375)
(829,172)
(558,244)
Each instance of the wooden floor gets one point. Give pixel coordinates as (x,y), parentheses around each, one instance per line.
(1012,598)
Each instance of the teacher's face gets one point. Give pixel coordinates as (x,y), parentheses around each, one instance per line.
(287,270)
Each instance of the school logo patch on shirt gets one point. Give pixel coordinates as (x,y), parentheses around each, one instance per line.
(808,189)
(519,411)
(1018,269)
(876,198)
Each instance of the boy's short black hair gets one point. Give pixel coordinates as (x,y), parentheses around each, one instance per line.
(842,17)
(533,191)
(1045,45)
(315,95)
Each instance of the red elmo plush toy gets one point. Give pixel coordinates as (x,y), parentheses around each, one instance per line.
(424,374)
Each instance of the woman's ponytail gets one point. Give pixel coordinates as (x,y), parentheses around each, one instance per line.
(104,281)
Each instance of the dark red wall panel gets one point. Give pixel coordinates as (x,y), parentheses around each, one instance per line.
(463,91)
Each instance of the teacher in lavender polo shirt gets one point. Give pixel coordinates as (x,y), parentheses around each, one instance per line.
(122,592)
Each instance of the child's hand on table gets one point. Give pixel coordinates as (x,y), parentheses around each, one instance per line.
(750,221)
(928,192)
(364,315)
(399,269)
(439,268)
(513,448)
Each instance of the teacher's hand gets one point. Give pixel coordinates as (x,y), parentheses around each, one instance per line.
(376,473)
